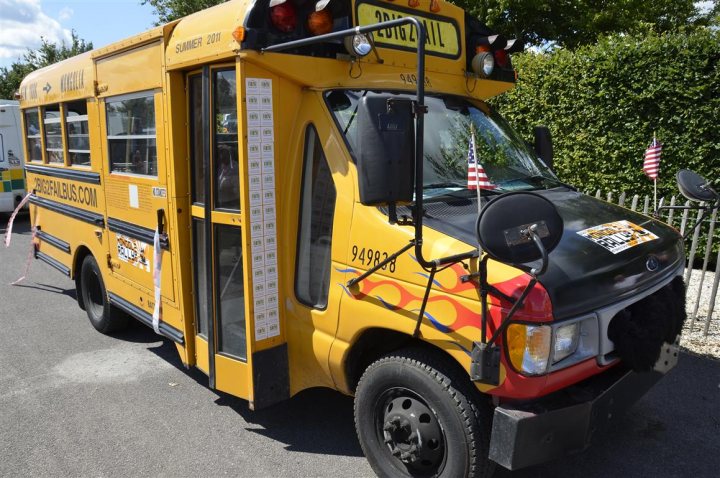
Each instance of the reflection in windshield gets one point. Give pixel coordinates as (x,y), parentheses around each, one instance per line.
(507,160)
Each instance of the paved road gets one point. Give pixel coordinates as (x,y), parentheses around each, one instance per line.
(76,403)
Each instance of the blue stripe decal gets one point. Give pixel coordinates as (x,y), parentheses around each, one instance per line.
(442,328)
(344,271)
(386,304)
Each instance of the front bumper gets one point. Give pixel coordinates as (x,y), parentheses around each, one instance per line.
(565,422)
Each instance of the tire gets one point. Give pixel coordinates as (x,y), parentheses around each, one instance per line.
(104,317)
(417,415)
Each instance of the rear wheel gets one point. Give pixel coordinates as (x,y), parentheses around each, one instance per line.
(417,416)
(104,317)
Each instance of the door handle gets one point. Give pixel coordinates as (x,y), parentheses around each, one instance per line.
(164,242)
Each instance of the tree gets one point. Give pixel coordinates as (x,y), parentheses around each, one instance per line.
(570,23)
(47,54)
(169,10)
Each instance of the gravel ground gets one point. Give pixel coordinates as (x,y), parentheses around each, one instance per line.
(695,341)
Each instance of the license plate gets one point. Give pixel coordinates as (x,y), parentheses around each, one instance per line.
(443,34)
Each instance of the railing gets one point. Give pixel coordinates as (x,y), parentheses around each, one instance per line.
(702,284)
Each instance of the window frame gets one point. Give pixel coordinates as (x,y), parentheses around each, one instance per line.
(125,97)
(61,121)
(311,129)
(39,135)
(76,119)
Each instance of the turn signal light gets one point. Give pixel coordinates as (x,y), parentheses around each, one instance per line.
(320,22)
(284,17)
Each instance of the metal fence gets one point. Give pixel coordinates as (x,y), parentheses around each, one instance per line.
(701,296)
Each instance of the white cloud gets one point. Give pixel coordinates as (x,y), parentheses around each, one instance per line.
(65,14)
(22,23)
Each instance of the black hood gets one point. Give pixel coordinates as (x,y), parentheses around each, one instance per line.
(582,275)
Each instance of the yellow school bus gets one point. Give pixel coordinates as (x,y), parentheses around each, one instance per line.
(316,194)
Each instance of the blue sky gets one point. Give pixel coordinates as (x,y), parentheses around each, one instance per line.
(22,22)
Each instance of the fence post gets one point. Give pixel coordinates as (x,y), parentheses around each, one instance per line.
(609,196)
(621,200)
(708,250)
(672,211)
(683,223)
(647,204)
(597,194)
(633,205)
(713,295)
(693,249)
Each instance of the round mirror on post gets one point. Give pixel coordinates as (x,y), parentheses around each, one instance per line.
(695,187)
(503,227)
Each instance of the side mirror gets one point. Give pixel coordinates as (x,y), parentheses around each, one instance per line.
(386,150)
(695,187)
(520,227)
(543,146)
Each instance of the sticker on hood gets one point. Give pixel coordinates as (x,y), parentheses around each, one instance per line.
(618,236)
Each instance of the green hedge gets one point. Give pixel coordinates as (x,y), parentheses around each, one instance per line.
(603,102)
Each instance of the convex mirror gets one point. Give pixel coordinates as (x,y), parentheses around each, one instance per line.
(695,187)
(502,227)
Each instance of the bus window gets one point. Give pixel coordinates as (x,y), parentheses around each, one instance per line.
(76,128)
(32,133)
(131,134)
(227,175)
(53,134)
(196,136)
(317,209)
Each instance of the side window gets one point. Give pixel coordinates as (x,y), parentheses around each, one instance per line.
(32,133)
(52,122)
(317,208)
(76,128)
(131,134)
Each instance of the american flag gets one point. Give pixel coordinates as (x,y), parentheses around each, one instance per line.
(476,174)
(651,165)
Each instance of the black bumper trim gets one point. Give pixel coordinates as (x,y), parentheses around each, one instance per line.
(53,241)
(566,421)
(137,313)
(70,211)
(52,262)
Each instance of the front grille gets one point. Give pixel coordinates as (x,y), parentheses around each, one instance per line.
(639,330)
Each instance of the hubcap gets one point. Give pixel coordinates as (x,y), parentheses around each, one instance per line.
(411,431)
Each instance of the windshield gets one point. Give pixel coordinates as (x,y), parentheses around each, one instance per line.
(450,125)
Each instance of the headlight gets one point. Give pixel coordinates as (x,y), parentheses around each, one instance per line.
(529,347)
(483,64)
(566,341)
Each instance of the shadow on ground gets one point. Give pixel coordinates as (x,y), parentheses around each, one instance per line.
(671,432)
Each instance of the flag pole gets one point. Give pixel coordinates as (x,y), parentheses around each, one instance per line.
(655,179)
(477,178)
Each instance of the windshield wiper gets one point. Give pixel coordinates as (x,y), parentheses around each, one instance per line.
(447,184)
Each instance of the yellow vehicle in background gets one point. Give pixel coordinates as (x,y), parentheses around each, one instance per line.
(315,194)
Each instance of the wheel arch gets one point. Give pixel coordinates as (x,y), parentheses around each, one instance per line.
(376,342)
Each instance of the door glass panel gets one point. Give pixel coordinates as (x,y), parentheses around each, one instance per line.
(225,141)
(230,291)
(199,259)
(196,138)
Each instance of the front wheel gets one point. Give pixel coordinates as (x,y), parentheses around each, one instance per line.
(104,317)
(417,416)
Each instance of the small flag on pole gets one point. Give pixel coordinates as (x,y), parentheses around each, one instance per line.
(651,165)
(477,179)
